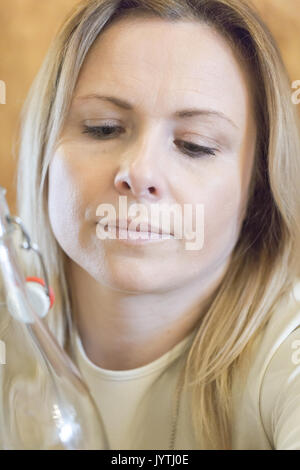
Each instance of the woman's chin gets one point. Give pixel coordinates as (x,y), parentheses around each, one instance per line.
(130,279)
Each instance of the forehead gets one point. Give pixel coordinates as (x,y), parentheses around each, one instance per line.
(163,66)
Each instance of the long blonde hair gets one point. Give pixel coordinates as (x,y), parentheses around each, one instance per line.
(264,261)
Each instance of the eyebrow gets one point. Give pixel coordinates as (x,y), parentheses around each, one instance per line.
(182,114)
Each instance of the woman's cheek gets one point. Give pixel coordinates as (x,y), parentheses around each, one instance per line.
(222,209)
(65,199)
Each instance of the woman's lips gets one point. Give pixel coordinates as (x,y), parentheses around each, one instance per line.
(131,236)
(143,226)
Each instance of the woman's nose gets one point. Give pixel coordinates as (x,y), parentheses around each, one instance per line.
(137,188)
(140,175)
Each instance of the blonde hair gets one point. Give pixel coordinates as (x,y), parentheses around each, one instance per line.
(264,261)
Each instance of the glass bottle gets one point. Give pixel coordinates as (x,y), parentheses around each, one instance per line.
(44,402)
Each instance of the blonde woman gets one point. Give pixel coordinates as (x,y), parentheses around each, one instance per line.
(171,102)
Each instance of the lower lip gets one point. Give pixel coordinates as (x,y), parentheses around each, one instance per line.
(138,238)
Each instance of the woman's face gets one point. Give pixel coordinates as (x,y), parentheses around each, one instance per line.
(159,69)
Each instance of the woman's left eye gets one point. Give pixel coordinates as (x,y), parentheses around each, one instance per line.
(101,132)
(189,148)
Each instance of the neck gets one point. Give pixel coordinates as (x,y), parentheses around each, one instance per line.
(121,330)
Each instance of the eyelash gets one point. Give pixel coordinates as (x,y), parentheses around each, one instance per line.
(95,131)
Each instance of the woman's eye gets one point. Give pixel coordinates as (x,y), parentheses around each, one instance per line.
(102,132)
(195,151)
(189,148)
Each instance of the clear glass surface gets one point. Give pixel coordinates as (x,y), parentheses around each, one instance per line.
(44,402)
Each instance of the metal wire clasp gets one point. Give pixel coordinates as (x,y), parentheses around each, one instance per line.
(28,245)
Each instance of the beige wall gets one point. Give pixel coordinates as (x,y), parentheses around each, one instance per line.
(27,27)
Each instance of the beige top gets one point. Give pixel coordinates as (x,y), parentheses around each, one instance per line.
(136,404)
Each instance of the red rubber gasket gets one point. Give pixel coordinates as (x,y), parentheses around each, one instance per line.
(42,282)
